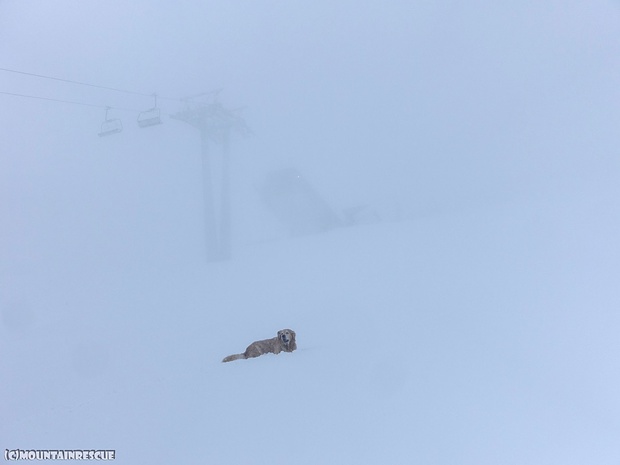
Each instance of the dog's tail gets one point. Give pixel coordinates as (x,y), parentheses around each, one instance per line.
(230,358)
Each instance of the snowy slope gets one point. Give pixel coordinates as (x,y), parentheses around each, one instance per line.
(481,337)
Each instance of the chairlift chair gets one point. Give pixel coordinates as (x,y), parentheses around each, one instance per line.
(110,125)
(150,117)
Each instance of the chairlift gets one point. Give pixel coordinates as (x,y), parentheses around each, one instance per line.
(150,117)
(110,125)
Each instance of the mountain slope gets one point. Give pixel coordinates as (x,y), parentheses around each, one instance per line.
(478,337)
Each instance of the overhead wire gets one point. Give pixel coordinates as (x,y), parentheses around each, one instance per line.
(72,102)
(70,81)
(93,105)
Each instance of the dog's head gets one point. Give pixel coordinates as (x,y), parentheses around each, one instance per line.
(287,339)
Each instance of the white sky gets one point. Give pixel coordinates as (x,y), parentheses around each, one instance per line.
(422,99)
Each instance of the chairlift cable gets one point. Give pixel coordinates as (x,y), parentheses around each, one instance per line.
(82,83)
(72,102)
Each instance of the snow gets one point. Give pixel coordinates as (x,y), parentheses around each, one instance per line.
(478,337)
(476,323)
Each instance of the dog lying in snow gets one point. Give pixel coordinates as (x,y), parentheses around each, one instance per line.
(283,342)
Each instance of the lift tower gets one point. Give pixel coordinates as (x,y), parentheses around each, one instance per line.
(215,124)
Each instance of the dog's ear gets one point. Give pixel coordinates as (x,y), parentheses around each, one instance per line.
(294,341)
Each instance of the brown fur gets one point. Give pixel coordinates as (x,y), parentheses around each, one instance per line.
(283,342)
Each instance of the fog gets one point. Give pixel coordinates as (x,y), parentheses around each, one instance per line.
(473,135)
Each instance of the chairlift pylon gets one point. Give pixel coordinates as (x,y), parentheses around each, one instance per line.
(110,125)
(150,117)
